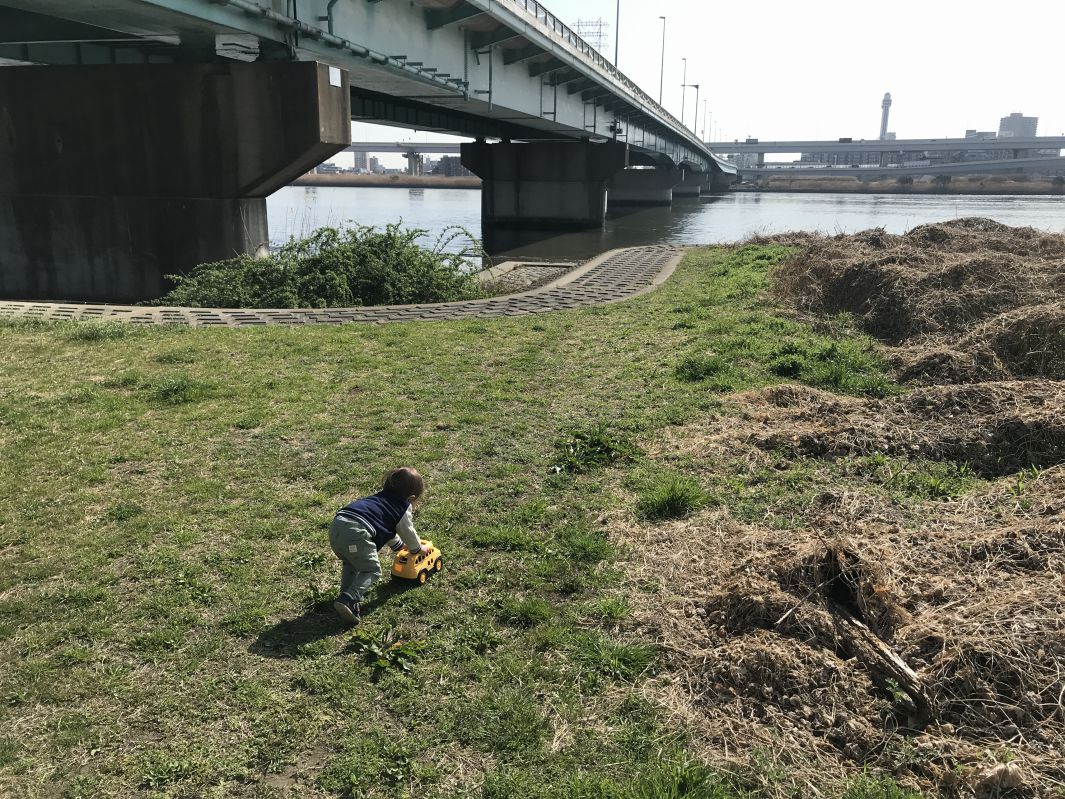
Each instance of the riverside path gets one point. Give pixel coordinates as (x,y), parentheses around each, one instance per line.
(613,276)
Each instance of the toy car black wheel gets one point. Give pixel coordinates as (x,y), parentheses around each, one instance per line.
(439,564)
(423,575)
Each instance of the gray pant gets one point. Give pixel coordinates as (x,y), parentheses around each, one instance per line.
(352,542)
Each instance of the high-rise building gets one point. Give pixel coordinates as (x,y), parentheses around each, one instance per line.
(886,106)
(452,167)
(1018,126)
(362,162)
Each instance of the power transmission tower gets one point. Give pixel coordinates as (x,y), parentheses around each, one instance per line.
(593,31)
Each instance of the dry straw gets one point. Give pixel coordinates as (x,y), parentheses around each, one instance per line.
(779,642)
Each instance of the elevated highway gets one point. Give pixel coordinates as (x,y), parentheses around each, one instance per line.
(434,148)
(175,118)
(890,145)
(1003,166)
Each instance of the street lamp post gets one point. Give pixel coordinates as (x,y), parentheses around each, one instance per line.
(683,86)
(706,103)
(695,123)
(662,69)
(617,32)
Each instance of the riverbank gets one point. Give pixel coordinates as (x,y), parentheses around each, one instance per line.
(352,180)
(972,184)
(688,532)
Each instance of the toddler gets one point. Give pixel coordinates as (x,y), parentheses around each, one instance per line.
(366,525)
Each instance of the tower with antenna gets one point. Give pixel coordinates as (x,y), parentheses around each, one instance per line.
(886,106)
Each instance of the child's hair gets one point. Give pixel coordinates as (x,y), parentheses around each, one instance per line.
(405,481)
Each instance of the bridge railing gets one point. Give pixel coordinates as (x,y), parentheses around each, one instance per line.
(560,29)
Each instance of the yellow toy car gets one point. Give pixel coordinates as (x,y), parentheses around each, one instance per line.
(407,566)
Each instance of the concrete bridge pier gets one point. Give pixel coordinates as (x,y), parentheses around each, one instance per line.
(544,185)
(643,186)
(113,176)
(691,185)
(719,181)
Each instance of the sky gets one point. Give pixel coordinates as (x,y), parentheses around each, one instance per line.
(818,69)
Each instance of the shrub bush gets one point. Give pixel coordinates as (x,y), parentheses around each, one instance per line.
(334,268)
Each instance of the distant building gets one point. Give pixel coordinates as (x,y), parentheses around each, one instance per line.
(744,160)
(1018,126)
(451,166)
(362,162)
(375,165)
(972,155)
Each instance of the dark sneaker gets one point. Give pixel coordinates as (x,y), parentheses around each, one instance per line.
(347,609)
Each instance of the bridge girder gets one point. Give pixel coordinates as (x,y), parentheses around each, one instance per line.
(366,37)
(440,18)
(501,35)
(524,54)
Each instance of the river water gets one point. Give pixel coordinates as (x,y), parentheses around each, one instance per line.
(295,211)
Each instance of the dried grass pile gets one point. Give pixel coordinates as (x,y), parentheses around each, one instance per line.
(919,638)
(763,664)
(964,301)
(997,428)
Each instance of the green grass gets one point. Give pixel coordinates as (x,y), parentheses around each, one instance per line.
(165,619)
(736,342)
(669,496)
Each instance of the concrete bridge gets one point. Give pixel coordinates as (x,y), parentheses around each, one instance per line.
(143,136)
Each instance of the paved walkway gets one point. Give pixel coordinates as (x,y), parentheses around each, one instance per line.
(613,276)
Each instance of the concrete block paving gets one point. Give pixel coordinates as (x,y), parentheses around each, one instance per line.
(613,276)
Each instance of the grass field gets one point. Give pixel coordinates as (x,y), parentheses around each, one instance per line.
(165,590)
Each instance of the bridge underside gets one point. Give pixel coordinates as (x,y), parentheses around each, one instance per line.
(129,174)
(157,144)
(512,66)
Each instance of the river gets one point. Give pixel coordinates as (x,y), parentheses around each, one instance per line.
(295,211)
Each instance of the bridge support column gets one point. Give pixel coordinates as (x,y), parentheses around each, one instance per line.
(691,185)
(718,181)
(112,177)
(643,186)
(544,184)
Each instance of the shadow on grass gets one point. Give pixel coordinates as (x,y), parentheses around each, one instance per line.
(384,592)
(287,638)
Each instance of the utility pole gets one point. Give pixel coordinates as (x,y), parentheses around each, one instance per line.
(662,69)
(695,118)
(617,32)
(683,89)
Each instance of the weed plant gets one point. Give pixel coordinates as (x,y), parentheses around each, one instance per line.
(335,268)
(587,448)
(670,496)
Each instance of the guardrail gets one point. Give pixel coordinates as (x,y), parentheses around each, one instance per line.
(556,26)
